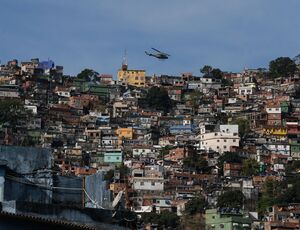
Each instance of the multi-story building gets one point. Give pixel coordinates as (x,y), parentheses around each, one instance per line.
(113,156)
(274,114)
(226,219)
(219,141)
(148,179)
(131,77)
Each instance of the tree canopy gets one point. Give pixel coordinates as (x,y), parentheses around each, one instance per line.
(279,193)
(197,163)
(250,167)
(206,70)
(196,205)
(158,98)
(282,67)
(244,126)
(231,199)
(209,71)
(11,111)
(87,75)
(164,219)
(123,169)
(229,157)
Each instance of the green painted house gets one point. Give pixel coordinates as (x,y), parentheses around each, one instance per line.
(285,106)
(102,91)
(295,149)
(114,156)
(226,219)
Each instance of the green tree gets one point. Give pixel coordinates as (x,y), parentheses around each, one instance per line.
(270,191)
(165,219)
(244,126)
(282,67)
(206,70)
(279,193)
(217,73)
(194,98)
(250,167)
(158,98)
(226,82)
(164,151)
(11,111)
(196,205)
(87,74)
(197,163)
(209,71)
(123,169)
(229,157)
(231,199)
(292,167)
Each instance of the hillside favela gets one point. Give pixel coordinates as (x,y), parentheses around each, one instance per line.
(149,115)
(215,151)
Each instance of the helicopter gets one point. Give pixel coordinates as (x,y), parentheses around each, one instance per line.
(158,54)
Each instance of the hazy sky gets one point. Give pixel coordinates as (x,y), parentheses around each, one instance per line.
(228,34)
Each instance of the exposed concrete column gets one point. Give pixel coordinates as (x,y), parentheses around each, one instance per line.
(2,180)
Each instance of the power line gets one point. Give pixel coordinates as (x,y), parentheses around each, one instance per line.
(51,188)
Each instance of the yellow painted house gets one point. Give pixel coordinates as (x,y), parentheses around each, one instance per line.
(124,133)
(132,77)
(278,131)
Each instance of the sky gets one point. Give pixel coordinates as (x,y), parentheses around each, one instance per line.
(230,35)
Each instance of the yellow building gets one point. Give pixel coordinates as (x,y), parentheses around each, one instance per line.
(131,77)
(124,133)
(278,131)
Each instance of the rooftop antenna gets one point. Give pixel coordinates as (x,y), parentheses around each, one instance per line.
(124,62)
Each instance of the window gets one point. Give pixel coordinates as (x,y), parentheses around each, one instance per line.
(218,140)
(152,183)
(225,147)
(234,140)
(225,140)
(142,183)
(118,158)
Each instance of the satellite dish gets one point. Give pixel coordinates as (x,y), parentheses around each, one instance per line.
(117,199)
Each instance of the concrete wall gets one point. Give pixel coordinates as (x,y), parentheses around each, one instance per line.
(26,159)
(23,191)
(98,196)
(70,192)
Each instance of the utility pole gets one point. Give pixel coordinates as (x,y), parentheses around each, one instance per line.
(83,193)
